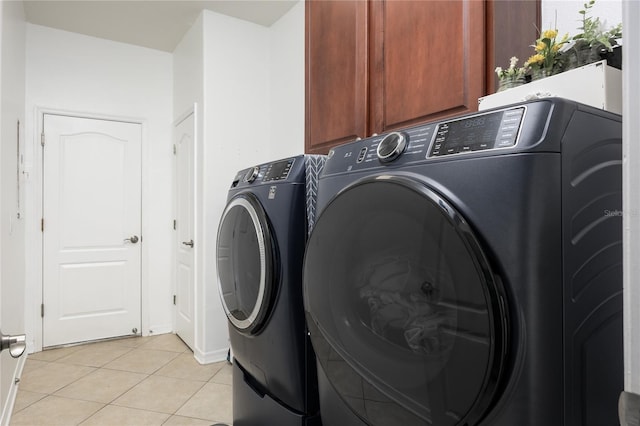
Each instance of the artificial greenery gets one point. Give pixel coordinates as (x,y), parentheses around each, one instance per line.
(554,54)
(547,49)
(593,34)
(511,73)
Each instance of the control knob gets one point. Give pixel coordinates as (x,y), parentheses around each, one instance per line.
(391,146)
(252,174)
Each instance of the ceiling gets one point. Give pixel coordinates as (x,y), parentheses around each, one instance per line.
(157,24)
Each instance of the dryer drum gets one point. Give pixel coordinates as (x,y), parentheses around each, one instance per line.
(404,311)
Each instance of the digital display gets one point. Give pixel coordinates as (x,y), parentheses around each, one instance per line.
(278,171)
(487,131)
(474,122)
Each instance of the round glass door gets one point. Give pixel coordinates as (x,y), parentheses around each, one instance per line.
(404,312)
(246,262)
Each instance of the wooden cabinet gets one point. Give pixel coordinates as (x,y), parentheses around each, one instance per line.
(512,27)
(426,61)
(374,66)
(337,39)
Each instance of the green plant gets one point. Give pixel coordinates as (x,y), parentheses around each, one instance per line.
(593,33)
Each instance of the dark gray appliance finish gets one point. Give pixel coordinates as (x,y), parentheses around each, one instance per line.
(469,272)
(261,241)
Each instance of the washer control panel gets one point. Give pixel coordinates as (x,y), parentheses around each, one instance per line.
(252,174)
(270,172)
(278,171)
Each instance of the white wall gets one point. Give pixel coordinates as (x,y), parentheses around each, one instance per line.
(222,64)
(565,13)
(287,84)
(237,94)
(76,73)
(236,135)
(12,229)
(248,82)
(188,68)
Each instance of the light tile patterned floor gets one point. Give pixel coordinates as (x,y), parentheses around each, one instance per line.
(135,381)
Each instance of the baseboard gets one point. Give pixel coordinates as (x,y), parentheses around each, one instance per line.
(7,409)
(158,329)
(210,357)
(629,409)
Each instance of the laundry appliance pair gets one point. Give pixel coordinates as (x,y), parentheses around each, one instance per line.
(261,240)
(469,272)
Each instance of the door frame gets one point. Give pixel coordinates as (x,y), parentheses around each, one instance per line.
(34,245)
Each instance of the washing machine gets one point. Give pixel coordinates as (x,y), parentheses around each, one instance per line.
(260,248)
(469,272)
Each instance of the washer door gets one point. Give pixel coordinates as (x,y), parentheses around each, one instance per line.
(405,315)
(246,263)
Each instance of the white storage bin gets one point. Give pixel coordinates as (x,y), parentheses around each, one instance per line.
(596,84)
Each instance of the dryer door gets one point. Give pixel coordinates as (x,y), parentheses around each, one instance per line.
(246,263)
(405,315)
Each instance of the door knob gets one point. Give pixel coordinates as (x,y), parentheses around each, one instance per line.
(16,344)
(188,243)
(133,239)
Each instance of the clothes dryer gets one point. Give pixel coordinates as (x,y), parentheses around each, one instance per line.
(261,241)
(469,272)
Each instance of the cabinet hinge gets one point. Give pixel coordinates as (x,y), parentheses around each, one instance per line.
(174,299)
(175,149)
(42,310)
(175,224)
(42,225)
(42,139)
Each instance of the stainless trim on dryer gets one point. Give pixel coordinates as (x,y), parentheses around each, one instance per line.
(248,322)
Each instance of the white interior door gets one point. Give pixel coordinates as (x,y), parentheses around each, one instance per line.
(91,229)
(185,284)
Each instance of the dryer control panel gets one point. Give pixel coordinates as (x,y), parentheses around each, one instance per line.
(514,128)
(483,131)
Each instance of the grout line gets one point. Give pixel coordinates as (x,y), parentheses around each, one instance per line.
(189,399)
(141,347)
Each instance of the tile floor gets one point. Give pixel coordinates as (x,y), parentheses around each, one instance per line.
(134,381)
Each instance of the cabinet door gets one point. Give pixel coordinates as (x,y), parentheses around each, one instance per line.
(511,28)
(336,73)
(427,60)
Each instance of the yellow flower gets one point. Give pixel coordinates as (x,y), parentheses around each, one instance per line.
(540,46)
(535,59)
(556,47)
(550,34)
